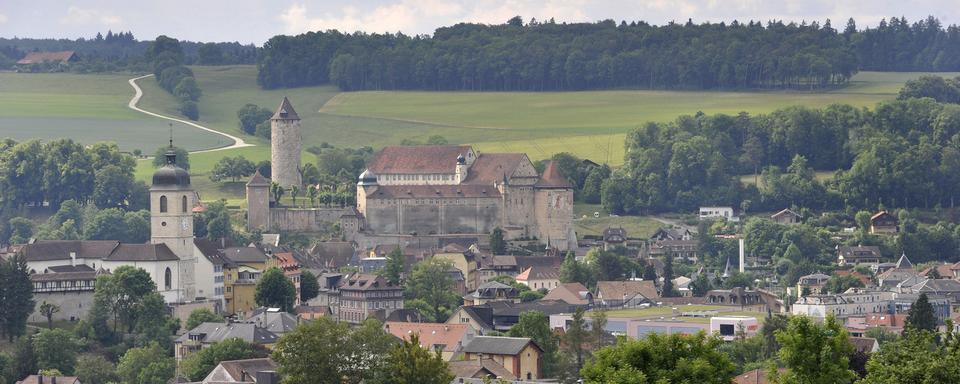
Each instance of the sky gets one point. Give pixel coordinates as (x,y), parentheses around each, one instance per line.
(255,21)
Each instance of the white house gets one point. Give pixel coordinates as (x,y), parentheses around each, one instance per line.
(718,212)
(728,326)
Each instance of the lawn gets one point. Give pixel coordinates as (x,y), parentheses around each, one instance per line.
(640,227)
(86,108)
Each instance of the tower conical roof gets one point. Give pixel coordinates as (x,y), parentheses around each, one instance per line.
(285,111)
(904,262)
(258,180)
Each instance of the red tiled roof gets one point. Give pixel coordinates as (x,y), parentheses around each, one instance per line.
(433,191)
(39,57)
(552,178)
(418,159)
(492,167)
(432,335)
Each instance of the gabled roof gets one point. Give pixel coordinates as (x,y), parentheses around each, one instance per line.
(329,254)
(272,320)
(481,314)
(39,57)
(365,282)
(245,255)
(489,290)
(904,262)
(537,272)
(248,367)
(217,332)
(142,252)
(864,344)
(938,286)
(70,268)
(494,345)
(417,159)
(478,369)
(785,212)
(882,214)
(258,180)
(433,191)
(447,337)
(35,379)
(285,111)
(494,167)
(618,290)
(48,250)
(572,293)
(552,178)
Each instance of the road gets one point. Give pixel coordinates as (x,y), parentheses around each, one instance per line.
(237,142)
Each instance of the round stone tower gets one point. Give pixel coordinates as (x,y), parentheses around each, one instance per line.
(285,146)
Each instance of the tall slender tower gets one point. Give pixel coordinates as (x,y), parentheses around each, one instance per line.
(285,146)
(171,217)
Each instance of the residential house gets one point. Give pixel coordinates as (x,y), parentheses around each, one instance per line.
(207,334)
(41,379)
(614,237)
(328,256)
(678,249)
(865,344)
(786,217)
(519,355)
(67,286)
(500,316)
(860,254)
(448,339)
(257,371)
(728,327)
(739,296)
(756,376)
(864,279)
(372,265)
(884,222)
(464,261)
(626,294)
(571,293)
(940,271)
(812,283)
(273,319)
(540,277)
(494,291)
(209,270)
(361,296)
(682,285)
(484,370)
(725,213)
(937,287)
(60,59)
(496,267)
(902,271)
(246,265)
(902,302)
(672,234)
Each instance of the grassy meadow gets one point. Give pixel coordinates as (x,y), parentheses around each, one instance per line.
(590,124)
(86,108)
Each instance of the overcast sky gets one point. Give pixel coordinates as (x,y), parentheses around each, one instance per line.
(255,21)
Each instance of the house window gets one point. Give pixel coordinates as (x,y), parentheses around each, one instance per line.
(163,204)
(167,278)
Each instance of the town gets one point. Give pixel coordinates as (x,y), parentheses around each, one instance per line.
(794,243)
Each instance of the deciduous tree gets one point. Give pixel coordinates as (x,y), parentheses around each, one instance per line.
(275,290)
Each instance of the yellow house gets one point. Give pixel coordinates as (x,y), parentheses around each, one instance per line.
(519,355)
(462,260)
(240,277)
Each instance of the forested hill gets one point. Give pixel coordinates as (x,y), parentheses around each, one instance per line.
(539,56)
(550,56)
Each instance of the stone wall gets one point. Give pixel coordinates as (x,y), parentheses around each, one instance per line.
(477,215)
(554,213)
(258,207)
(74,306)
(306,219)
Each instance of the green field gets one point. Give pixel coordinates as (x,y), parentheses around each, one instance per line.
(86,108)
(591,124)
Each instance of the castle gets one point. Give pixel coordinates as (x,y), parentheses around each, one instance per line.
(423,191)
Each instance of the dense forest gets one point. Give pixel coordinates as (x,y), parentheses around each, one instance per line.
(122,51)
(539,56)
(901,153)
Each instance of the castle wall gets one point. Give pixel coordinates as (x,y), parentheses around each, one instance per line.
(285,152)
(74,306)
(554,217)
(306,219)
(258,208)
(440,216)
(519,212)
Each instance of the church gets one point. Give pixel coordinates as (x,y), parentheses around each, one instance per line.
(454,190)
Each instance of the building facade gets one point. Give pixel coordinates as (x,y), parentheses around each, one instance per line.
(361,296)
(452,190)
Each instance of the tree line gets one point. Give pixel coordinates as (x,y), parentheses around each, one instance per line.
(903,153)
(549,56)
(167,58)
(121,51)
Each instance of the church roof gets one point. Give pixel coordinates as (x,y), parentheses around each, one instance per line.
(285,111)
(142,252)
(552,178)
(417,159)
(171,174)
(904,262)
(48,250)
(258,180)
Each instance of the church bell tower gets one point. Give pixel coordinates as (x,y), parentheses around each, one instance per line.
(171,217)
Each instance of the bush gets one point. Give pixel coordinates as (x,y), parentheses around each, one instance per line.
(189,109)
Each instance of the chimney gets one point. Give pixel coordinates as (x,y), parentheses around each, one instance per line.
(73,259)
(267,377)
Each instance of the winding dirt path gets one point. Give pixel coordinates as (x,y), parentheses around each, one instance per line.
(237,142)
